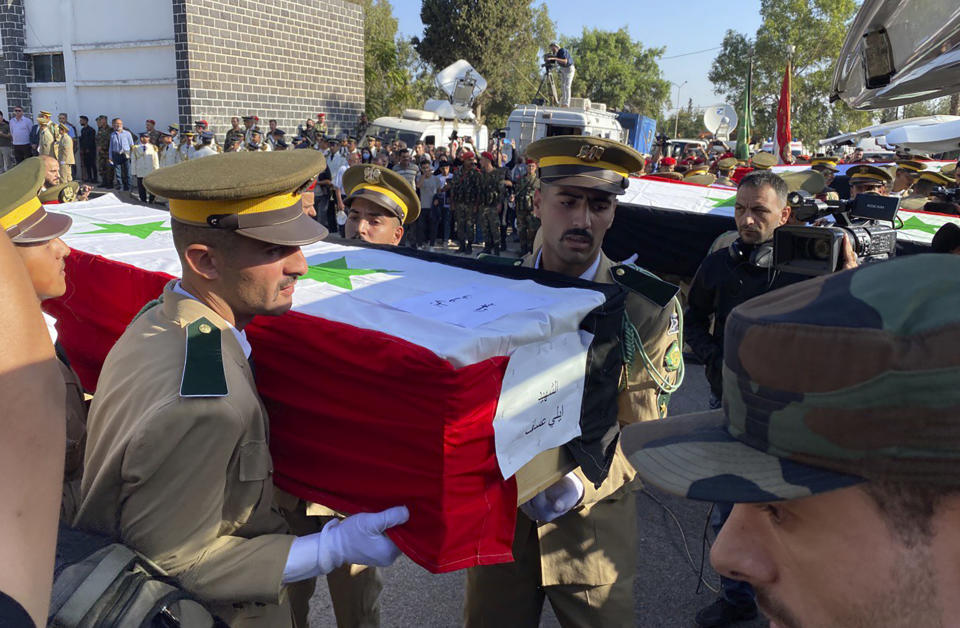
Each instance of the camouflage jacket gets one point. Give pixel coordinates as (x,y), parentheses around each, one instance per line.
(464,186)
(233,134)
(103,140)
(523,192)
(490,192)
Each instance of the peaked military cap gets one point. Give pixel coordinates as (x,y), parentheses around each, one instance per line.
(383,187)
(585,161)
(934,177)
(949,170)
(802,420)
(825,163)
(865,173)
(700,178)
(764,161)
(807,180)
(22,215)
(188,134)
(728,163)
(696,169)
(911,165)
(256,194)
(173,127)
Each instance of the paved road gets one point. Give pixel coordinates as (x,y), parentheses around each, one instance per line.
(666,582)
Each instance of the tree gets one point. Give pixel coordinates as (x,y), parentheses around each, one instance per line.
(817,28)
(500,38)
(614,69)
(690,125)
(394,75)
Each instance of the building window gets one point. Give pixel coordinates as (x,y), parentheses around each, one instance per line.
(48,68)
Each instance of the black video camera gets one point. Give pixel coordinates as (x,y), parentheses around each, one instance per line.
(819,250)
(946,195)
(548,62)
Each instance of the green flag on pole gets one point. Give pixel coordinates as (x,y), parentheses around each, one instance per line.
(743,128)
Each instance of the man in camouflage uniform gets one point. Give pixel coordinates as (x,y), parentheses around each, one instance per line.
(103,152)
(527,223)
(838,443)
(490,202)
(464,193)
(575,543)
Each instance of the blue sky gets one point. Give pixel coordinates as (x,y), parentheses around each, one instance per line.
(682,26)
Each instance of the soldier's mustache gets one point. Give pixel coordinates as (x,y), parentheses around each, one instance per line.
(581,233)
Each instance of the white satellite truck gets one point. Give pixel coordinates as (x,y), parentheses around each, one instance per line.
(528,123)
(440,119)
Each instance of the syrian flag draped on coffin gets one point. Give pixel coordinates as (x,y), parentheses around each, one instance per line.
(383,382)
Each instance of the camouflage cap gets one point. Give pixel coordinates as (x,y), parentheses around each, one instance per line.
(826,383)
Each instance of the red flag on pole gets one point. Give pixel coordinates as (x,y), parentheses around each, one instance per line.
(782,137)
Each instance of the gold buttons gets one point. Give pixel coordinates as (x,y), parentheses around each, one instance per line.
(204,328)
(621,272)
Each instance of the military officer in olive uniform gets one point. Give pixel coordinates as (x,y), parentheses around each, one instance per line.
(699,174)
(905,175)
(763,161)
(103,152)
(576,544)
(924,185)
(35,234)
(725,168)
(527,223)
(827,166)
(46,136)
(177,462)
(490,202)
(464,193)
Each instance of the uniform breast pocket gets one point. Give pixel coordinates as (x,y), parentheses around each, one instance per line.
(250,483)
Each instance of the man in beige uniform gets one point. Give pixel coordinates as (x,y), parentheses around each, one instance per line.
(178,463)
(576,544)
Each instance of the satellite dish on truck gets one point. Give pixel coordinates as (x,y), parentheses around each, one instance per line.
(462,84)
(720,120)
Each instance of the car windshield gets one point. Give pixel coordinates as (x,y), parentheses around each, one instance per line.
(389,133)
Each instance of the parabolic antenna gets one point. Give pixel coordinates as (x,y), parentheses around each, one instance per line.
(720,120)
(462,84)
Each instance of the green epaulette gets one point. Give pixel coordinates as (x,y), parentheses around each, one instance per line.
(62,193)
(500,260)
(203,374)
(147,306)
(659,292)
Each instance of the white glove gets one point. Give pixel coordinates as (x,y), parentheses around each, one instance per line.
(555,500)
(358,539)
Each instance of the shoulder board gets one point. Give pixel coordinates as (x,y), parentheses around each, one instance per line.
(203,374)
(500,260)
(644,283)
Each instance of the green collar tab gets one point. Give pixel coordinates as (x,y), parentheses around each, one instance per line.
(203,374)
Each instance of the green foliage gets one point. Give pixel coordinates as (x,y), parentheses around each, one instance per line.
(817,28)
(612,68)
(689,126)
(394,76)
(500,38)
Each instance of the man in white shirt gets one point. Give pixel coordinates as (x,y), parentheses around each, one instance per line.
(20,126)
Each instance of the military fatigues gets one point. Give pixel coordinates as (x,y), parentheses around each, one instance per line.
(527,223)
(490,201)
(584,561)
(464,191)
(103,157)
(234,134)
(178,463)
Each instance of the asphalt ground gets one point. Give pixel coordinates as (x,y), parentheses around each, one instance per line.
(670,534)
(666,582)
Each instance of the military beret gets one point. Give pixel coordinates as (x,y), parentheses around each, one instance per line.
(787,433)
(22,215)
(256,194)
(586,161)
(809,181)
(385,188)
(910,165)
(488,156)
(531,161)
(865,173)
(935,177)
(152,121)
(467,156)
(669,161)
(321,115)
(764,161)
(727,163)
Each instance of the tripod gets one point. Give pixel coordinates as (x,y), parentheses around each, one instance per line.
(548,80)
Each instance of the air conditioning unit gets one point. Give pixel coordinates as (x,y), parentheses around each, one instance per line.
(420,114)
(579,103)
(599,106)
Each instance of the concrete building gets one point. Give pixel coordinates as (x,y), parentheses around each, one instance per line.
(177,61)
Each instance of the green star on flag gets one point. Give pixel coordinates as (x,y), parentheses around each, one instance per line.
(336,273)
(724,202)
(142,230)
(915,224)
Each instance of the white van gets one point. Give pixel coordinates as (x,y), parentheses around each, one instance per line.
(428,126)
(528,123)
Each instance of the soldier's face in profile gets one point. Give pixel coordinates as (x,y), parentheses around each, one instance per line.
(867,188)
(758,212)
(573,220)
(45,265)
(834,560)
(369,222)
(258,278)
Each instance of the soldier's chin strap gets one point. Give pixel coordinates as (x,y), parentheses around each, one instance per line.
(632,344)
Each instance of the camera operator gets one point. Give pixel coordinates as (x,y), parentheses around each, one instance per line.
(726,278)
(564,62)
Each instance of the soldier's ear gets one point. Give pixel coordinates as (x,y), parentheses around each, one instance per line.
(201,260)
(398,234)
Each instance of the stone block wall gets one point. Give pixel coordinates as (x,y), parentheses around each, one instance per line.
(15,67)
(283,59)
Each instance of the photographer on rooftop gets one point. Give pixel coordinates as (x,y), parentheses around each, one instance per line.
(564,62)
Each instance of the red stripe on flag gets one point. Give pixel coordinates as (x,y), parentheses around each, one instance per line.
(783,137)
(360,420)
